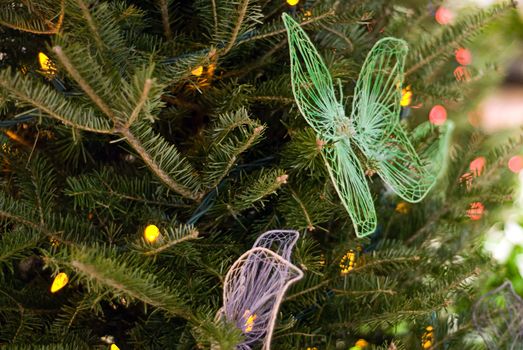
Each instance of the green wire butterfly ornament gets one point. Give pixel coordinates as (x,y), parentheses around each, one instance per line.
(373,126)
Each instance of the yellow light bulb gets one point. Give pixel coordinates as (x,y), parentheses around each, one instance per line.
(114,347)
(197,71)
(406,96)
(250,318)
(46,64)
(59,282)
(151,233)
(44,61)
(293,2)
(362,343)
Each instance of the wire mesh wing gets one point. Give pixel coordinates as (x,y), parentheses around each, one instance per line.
(349,180)
(433,145)
(498,317)
(252,293)
(375,116)
(311,82)
(279,241)
(400,167)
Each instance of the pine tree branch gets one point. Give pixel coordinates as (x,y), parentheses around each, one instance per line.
(91,24)
(242,11)
(164,9)
(143,98)
(84,85)
(192,235)
(284,100)
(23,96)
(429,224)
(241,73)
(53,28)
(19,219)
(19,248)
(165,178)
(281,31)
(364,292)
(444,48)
(308,290)
(214,15)
(310,226)
(340,35)
(102,278)
(356,269)
(255,134)
(21,310)
(383,317)
(123,130)
(111,192)
(386,261)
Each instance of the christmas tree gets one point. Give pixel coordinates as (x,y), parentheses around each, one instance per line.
(245,174)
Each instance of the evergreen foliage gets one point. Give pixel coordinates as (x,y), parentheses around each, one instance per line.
(181,114)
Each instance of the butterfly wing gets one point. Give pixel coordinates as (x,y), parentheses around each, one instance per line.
(311,82)
(400,167)
(349,180)
(253,291)
(434,145)
(375,116)
(279,241)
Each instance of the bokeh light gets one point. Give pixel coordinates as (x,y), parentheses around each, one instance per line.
(463,56)
(444,16)
(515,164)
(438,115)
(477,165)
(476,210)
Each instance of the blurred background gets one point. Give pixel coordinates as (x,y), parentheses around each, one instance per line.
(498,111)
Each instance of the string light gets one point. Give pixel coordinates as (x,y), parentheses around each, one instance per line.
(151,233)
(444,16)
(402,207)
(322,260)
(463,56)
(406,96)
(46,64)
(307,14)
(249,320)
(438,115)
(15,137)
(348,262)
(515,164)
(362,343)
(477,166)
(24,69)
(59,282)
(197,71)
(428,338)
(293,2)
(54,242)
(476,210)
